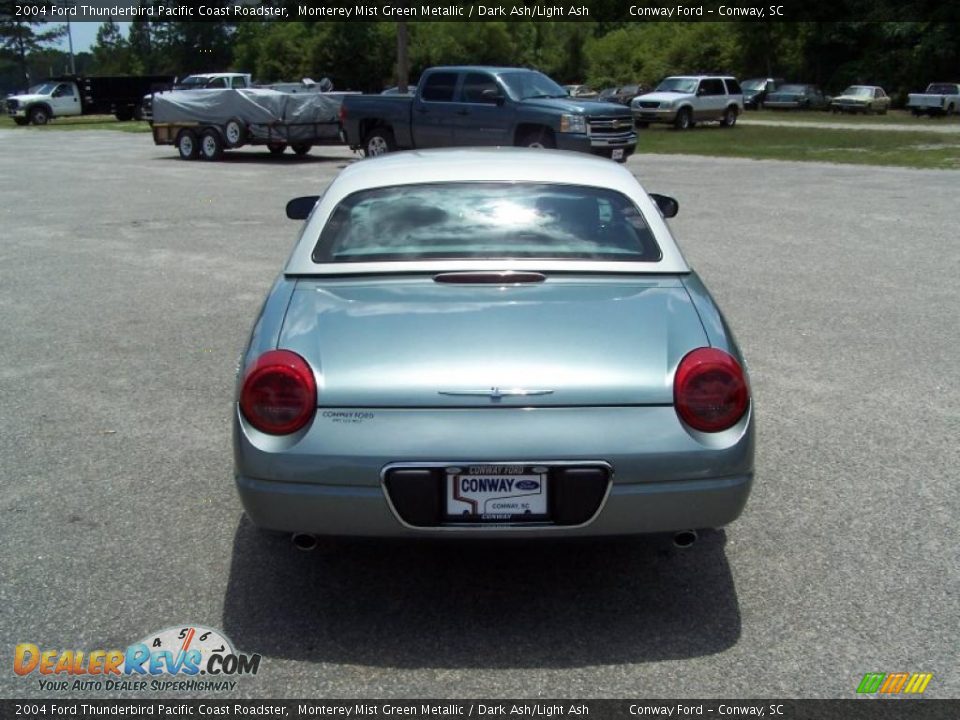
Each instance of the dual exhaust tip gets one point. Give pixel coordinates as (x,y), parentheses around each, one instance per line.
(307,542)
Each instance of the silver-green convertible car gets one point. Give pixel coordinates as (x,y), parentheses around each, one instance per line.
(497,343)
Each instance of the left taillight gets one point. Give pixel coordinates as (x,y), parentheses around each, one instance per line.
(279,393)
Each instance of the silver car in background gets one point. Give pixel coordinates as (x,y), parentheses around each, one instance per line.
(497,342)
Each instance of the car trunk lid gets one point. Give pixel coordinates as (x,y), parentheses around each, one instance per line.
(566,341)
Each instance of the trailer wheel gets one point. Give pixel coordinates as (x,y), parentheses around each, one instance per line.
(124,115)
(301,148)
(235,132)
(187,145)
(21,121)
(39,116)
(211,145)
(276,148)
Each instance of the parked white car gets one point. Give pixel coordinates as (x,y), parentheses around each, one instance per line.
(683,101)
(861,99)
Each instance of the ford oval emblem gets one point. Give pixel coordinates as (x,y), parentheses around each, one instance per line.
(528,485)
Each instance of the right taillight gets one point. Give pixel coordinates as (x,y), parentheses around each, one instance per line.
(709,391)
(279,393)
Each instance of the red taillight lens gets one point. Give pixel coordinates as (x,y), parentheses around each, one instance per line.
(279,394)
(710,392)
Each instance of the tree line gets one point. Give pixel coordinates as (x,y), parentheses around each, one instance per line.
(901,56)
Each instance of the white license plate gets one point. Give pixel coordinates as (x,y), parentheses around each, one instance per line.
(618,154)
(497,493)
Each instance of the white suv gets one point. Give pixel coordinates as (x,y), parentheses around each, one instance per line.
(685,100)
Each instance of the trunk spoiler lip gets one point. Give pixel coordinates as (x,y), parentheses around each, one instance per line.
(547,274)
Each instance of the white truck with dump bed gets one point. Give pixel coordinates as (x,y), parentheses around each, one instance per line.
(73,95)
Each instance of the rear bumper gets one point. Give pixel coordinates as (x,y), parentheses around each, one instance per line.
(329,479)
(365,512)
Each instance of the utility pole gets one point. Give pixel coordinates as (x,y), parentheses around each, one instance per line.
(403,63)
(73,64)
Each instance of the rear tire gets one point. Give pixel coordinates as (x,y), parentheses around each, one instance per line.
(301,148)
(39,116)
(729,117)
(379,141)
(684,119)
(123,115)
(211,145)
(541,138)
(188,145)
(21,121)
(234,133)
(276,148)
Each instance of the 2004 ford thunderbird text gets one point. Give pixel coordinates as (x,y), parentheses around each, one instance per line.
(492,341)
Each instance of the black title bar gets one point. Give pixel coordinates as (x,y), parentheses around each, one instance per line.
(862,709)
(519,11)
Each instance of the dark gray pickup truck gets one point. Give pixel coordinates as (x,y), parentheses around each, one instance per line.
(476,106)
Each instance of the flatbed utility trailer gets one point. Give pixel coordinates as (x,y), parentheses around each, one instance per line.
(205,123)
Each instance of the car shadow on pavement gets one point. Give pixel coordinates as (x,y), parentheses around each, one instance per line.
(417,604)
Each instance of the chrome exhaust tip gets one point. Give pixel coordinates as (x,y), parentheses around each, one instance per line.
(304,541)
(684,539)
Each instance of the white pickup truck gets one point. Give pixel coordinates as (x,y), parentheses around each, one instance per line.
(939,99)
(201,81)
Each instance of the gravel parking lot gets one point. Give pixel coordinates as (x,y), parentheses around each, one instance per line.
(128,283)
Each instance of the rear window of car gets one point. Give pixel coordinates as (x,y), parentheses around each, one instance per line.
(486,220)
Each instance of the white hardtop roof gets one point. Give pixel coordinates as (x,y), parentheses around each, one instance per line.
(483,165)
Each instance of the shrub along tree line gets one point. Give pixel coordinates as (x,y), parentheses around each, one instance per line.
(901,56)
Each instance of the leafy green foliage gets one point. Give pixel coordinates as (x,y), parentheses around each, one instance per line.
(901,56)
